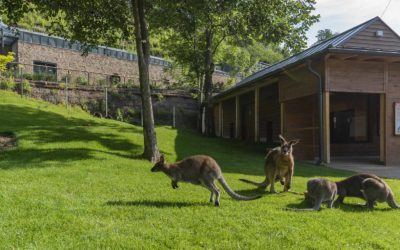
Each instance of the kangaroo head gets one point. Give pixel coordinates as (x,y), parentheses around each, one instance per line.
(287,147)
(159,165)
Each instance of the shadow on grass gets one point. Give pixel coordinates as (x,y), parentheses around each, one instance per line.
(241,157)
(354,208)
(158,204)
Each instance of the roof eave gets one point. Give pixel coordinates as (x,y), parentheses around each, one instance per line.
(252,82)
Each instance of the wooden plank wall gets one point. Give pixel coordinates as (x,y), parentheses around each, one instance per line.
(269,111)
(301,122)
(217,122)
(392,95)
(247,116)
(366,38)
(355,76)
(229,118)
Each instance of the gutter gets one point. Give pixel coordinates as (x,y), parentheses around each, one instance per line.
(321,122)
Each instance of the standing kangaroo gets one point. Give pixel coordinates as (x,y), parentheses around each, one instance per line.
(279,165)
(198,170)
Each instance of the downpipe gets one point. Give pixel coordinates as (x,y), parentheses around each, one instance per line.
(321,122)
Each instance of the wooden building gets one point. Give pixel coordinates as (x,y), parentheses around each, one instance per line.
(337,97)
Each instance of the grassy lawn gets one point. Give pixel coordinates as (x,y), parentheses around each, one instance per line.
(77,182)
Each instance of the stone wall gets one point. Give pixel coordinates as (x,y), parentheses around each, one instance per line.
(124,103)
(93,67)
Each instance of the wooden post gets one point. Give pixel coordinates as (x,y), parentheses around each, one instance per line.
(382,130)
(237,117)
(256,113)
(282,118)
(326,128)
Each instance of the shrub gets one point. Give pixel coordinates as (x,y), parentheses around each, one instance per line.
(120,115)
(8,83)
(6,59)
(26,86)
(81,81)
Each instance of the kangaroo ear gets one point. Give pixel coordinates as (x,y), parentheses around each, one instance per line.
(282,139)
(294,142)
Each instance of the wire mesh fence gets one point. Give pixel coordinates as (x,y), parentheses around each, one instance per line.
(104,96)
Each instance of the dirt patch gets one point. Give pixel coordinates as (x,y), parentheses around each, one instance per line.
(8,141)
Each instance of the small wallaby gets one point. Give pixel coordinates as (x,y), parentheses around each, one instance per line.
(320,190)
(377,190)
(279,165)
(198,170)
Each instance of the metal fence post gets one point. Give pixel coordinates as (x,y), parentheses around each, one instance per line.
(173,117)
(66,91)
(106,97)
(20,80)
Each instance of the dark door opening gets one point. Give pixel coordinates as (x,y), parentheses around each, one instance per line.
(342,126)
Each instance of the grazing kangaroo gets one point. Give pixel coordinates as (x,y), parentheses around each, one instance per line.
(198,170)
(377,190)
(351,186)
(320,190)
(279,164)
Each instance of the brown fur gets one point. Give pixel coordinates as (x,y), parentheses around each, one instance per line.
(376,190)
(279,165)
(198,170)
(351,186)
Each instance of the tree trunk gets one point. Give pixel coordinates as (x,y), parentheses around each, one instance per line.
(205,108)
(143,49)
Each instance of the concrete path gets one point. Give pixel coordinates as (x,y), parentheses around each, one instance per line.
(370,166)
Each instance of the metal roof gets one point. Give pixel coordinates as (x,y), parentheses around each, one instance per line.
(7,35)
(314,50)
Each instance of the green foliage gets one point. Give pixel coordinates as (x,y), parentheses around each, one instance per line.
(7,83)
(43,76)
(4,60)
(119,115)
(26,86)
(325,34)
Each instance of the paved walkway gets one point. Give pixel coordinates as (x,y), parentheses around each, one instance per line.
(371,166)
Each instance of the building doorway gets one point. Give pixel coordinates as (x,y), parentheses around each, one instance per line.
(355,127)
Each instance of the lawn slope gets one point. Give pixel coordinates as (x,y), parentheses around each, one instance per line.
(78,182)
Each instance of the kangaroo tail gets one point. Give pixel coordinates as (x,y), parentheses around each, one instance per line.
(302,209)
(390,200)
(233,194)
(263,184)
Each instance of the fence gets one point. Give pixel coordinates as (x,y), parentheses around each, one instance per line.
(119,100)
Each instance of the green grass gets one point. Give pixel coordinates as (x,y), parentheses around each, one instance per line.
(77,182)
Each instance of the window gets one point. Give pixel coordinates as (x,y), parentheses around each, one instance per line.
(44,71)
(36,39)
(60,43)
(349,126)
(52,42)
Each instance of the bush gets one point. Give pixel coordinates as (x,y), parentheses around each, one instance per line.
(81,81)
(120,115)
(26,86)
(8,83)
(44,77)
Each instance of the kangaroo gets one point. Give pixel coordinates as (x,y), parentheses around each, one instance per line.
(198,170)
(377,190)
(279,164)
(352,186)
(320,190)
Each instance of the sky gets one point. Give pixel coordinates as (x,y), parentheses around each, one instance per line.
(341,15)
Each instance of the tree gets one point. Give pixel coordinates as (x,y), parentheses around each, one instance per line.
(95,22)
(203,25)
(325,34)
